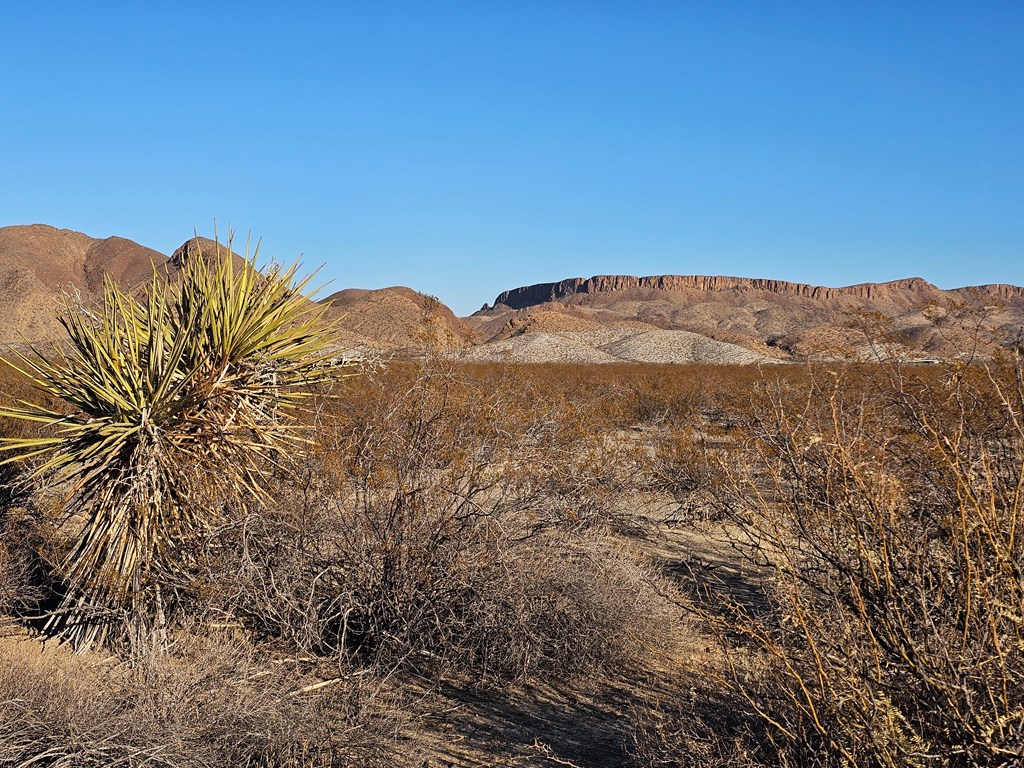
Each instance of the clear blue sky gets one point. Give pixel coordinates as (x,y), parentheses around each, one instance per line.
(463,148)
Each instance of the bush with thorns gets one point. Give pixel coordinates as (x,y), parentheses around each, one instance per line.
(421,537)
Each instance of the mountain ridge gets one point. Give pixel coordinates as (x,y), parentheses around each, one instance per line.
(39,262)
(650,318)
(540,293)
(778,319)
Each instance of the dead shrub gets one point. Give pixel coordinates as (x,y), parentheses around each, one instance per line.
(886,515)
(18,592)
(692,466)
(24,573)
(418,540)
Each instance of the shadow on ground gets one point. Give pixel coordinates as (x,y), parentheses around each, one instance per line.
(529,726)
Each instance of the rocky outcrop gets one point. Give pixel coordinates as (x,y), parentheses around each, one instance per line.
(532,295)
(997,291)
(777,318)
(206,249)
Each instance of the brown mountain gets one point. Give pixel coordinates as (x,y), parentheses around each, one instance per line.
(607,317)
(38,262)
(771,317)
(200,248)
(394,320)
(397,319)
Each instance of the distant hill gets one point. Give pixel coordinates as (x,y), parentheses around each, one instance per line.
(199,248)
(397,319)
(612,345)
(394,320)
(660,318)
(38,262)
(773,318)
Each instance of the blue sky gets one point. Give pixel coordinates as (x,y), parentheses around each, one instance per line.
(463,148)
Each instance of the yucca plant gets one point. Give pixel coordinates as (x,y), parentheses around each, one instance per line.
(193,384)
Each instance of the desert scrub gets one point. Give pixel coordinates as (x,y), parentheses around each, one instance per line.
(419,539)
(170,399)
(883,510)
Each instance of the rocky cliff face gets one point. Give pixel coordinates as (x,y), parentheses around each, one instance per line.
(773,317)
(532,295)
(997,291)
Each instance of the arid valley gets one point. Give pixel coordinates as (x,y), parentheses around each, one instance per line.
(615,521)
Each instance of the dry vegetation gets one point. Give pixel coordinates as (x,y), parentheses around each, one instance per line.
(877,513)
(734,566)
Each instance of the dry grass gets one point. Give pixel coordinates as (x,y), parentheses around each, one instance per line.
(480,522)
(209,704)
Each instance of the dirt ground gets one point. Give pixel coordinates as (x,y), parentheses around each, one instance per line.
(584,724)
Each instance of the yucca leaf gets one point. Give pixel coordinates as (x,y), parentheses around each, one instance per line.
(183,386)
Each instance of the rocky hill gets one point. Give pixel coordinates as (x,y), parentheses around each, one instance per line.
(773,318)
(398,319)
(614,345)
(660,318)
(38,263)
(199,248)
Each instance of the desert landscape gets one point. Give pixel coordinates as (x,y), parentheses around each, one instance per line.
(512,385)
(613,521)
